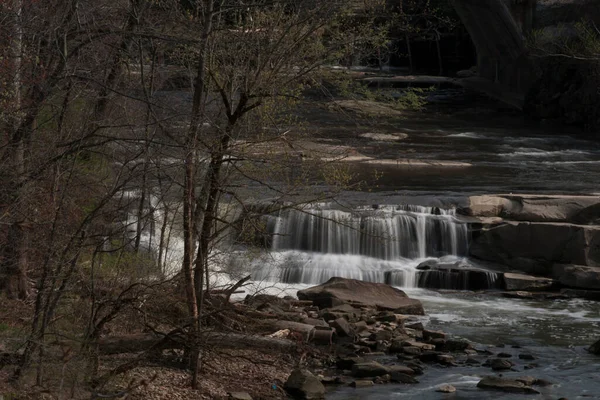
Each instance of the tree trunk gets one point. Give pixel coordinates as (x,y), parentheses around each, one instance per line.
(162,238)
(439,55)
(148,342)
(13,264)
(190,224)
(409,50)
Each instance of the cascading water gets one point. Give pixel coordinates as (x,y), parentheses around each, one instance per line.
(387,233)
(375,244)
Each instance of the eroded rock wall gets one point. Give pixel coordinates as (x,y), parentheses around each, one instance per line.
(539,235)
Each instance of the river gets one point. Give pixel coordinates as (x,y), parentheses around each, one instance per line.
(504,156)
(408,216)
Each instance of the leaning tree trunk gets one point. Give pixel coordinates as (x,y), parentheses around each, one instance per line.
(410,56)
(190,223)
(13,256)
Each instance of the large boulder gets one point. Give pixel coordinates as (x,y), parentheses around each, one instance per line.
(505,385)
(536,208)
(577,276)
(377,295)
(534,247)
(303,385)
(526,282)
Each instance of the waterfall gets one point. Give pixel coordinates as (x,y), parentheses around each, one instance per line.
(374,244)
(385,233)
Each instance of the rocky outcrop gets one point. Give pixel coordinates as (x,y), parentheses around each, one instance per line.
(577,276)
(535,247)
(530,233)
(514,281)
(303,385)
(536,208)
(337,291)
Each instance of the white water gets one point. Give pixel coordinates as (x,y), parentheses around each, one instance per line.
(375,244)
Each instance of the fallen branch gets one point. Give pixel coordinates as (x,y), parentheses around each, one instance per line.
(238,285)
(149,342)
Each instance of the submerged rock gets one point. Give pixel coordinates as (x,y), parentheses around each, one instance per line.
(530,381)
(456,275)
(454,345)
(400,377)
(526,282)
(378,295)
(595,348)
(400,369)
(499,364)
(525,356)
(505,385)
(472,361)
(301,384)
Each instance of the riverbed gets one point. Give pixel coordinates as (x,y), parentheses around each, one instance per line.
(555,333)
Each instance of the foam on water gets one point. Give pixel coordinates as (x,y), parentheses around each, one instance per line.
(313,268)
(469,135)
(533,152)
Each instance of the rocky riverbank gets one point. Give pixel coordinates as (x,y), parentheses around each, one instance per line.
(358,334)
